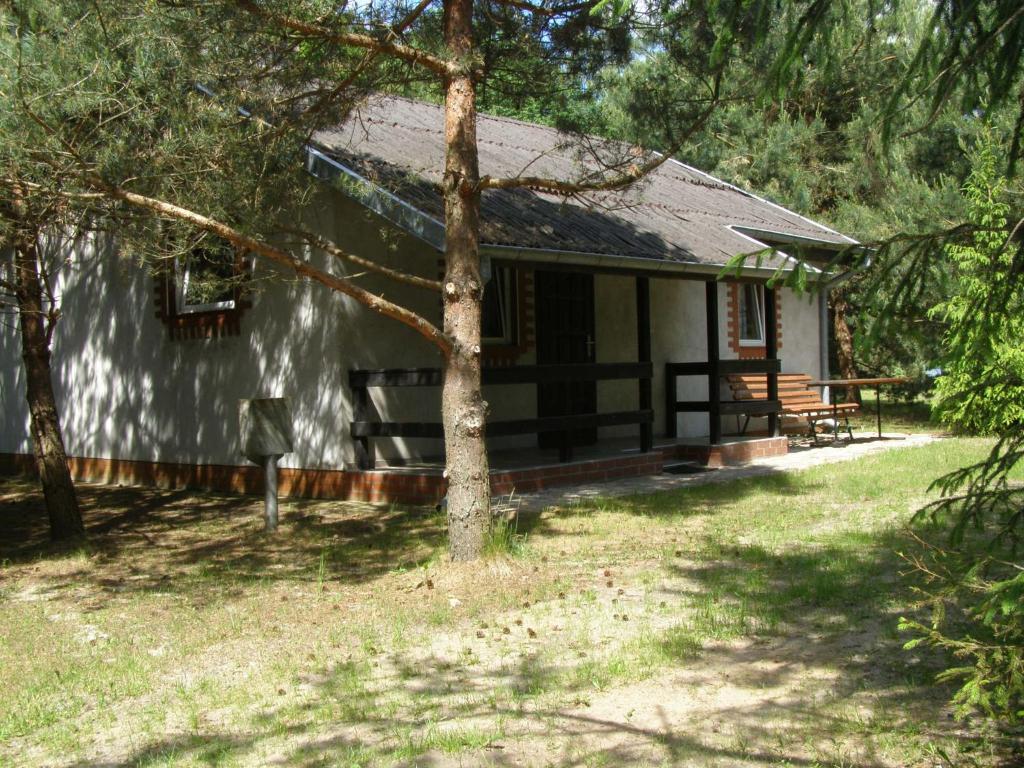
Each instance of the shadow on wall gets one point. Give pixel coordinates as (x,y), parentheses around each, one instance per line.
(127,390)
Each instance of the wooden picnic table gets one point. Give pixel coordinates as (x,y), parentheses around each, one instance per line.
(876,381)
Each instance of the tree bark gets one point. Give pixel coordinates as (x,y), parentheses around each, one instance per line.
(462,405)
(47,441)
(844,342)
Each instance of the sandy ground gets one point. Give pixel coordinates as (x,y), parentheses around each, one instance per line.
(807,694)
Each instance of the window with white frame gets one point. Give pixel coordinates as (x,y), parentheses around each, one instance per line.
(499,314)
(206,279)
(751,314)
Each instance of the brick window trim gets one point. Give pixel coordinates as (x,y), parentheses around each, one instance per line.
(213,324)
(506,355)
(745,351)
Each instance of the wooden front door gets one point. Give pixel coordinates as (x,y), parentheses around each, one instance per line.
(565,334)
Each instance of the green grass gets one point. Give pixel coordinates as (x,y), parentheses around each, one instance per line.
(346,640)
(897,415)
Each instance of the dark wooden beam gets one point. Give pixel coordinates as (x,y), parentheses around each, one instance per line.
(429,429)
(751,407)
(725,367)
(730,407)
(714,365)
(728,367)
(531,374)
(363,410)
(659,274)
(671,398)
(519,374)
(643,348)
(687,369)
(395,377)
(771,352)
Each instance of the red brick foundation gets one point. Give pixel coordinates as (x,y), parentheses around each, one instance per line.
(418,488)
(575,473)
(389,485)
(728,454)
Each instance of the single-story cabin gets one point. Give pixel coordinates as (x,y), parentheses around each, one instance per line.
(604,321)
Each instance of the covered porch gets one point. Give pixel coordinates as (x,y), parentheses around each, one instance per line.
(571,437)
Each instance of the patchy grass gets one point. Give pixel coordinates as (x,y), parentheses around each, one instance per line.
(743,623)
(897,416)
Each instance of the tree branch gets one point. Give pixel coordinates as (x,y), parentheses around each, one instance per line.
(52,313)
(377,303)
(402,277)
(401,51)
(393,33)
(539,9)
(631,175)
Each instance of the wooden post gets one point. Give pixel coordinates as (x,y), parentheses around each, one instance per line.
(771,352)
(714,360)
(671,398)
(362,410)
(643,350)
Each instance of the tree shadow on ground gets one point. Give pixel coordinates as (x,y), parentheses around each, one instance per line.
(143,539)
(785,658)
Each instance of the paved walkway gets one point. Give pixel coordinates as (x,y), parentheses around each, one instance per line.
(801,456)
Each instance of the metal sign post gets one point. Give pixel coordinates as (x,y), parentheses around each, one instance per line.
(267,434)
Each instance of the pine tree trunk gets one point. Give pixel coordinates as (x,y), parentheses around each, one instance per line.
(844,343)
(463,406)
(47,442)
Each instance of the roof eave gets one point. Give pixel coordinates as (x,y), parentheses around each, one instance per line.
(431,231)
(616,263)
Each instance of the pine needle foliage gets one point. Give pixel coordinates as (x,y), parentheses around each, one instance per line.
(974,584)
(981,390)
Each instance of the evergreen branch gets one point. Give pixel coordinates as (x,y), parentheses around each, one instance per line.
(539,9)
(632,174)
(406,53)
(393,33)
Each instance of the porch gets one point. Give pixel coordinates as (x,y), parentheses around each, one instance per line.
(517,471)
(567,448)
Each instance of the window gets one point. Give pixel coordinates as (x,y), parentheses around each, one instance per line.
(746,322)
(202,294)
(751,315)
(499,315)
(206,280)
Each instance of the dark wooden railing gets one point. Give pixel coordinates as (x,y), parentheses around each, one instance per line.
(714,406)
(366,425)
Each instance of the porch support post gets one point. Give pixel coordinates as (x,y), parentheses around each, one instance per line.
(362,410)
(643,347)
(671,398)
(771,352)
(714,360)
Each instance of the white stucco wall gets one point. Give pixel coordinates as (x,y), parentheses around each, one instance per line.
(678,334)
(127,390)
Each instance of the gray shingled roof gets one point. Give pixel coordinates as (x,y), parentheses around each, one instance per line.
(676,214)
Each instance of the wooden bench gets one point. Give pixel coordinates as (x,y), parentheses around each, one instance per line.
(797,398)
